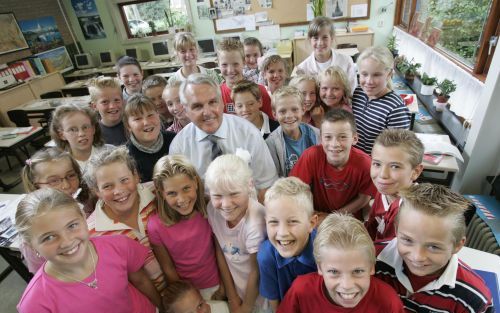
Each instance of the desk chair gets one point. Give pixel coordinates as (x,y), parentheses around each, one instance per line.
(51,95)
(75,92)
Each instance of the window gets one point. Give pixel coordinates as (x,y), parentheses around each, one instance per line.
(460,29)
(153,17)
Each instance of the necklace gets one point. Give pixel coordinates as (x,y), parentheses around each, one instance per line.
(93,283)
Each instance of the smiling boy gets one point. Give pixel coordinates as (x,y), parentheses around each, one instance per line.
(421,263)
(396,163)
(231,60)
(288,251)
(247,103)
(287,142)
(345,256)
(106,98)
(339,174)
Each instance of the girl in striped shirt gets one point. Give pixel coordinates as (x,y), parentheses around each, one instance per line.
(374,104)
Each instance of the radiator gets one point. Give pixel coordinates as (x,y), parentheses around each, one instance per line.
(480,236)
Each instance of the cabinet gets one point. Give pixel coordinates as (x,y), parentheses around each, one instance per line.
(302,48)
(16,96)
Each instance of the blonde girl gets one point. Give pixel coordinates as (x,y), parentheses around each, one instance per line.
(237,220)
(81,274)
(180,234)
(321,35)
(177,110)
(53,168)
(75,129)
(374,105)
(186,50)
(274,72)
(334,89)
(307,85)
(124,206)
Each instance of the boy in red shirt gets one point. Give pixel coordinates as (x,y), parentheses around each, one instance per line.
(338,173)
(345,256)
(421,262)
(231,60)
(396,163)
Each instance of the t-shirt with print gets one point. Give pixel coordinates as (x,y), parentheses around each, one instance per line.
(295,148)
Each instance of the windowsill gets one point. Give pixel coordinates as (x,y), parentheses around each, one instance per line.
(448,120)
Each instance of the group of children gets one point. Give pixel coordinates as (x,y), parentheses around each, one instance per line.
(131,228)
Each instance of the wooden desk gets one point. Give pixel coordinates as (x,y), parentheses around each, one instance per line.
(10,250)
(151,66)
(443,172)
(40,104)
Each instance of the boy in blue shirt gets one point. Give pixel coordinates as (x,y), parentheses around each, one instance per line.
(288,251)
(287,142)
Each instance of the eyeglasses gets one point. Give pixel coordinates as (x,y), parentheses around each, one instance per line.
(73,131)
(57,181)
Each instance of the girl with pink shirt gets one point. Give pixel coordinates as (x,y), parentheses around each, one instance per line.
(82,274)
(180,235)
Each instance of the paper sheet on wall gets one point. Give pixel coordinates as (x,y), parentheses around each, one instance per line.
(359,10)
(250,23)
(260,16)
(269,33)
(309,12)
(235,22)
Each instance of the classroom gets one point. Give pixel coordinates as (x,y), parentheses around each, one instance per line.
(78,78)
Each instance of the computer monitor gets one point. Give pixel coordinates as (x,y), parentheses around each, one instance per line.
(234,37)
(84,61)
(132,52)
(207,46)
(160,50)
(107,58)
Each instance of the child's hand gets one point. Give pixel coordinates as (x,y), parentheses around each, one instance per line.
(219,294)
(317,114)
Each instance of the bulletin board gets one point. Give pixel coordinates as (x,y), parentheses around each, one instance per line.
(292,12)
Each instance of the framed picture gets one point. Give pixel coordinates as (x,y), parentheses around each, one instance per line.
(57,59)
(11,37)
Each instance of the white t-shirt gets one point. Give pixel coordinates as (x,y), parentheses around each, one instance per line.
(239,242)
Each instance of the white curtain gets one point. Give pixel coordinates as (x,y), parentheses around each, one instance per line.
(465,99)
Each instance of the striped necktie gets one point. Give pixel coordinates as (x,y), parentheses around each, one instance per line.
(216,150)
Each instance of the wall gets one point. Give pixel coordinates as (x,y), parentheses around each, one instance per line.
(29,10)
(482,143)
(205,28)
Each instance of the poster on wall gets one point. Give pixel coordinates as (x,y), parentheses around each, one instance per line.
(11,37)
(336,8)
(228,8)
(41,34)
(89,19)
(56,59)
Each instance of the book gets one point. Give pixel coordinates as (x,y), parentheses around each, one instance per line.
(433,158)
(438,144)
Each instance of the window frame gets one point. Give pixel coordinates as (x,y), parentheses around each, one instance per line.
(483,60)
(121,23)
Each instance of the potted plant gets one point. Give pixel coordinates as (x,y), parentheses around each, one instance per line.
(428,83)
(444,89)
(317,7)
(392,45)
(408,68)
